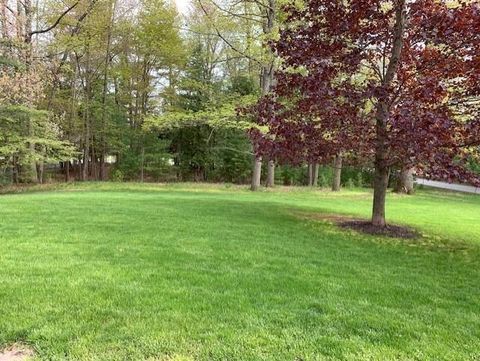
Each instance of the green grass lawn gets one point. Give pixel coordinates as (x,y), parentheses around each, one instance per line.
(199,272)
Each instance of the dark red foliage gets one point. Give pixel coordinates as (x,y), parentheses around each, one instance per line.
(340,51)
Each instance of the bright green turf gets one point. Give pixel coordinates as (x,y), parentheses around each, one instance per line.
(134,272)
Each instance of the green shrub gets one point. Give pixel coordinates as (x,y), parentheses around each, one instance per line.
(117,176)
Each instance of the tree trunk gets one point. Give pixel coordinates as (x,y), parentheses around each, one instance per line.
(14,170)
(379,196)
(266,80)
(86,117)
(4,20)
(380,183)
(86,143)
(316,168)
(102,166)
(103,141)
(257,173)
(40,171)
(33,165)
(41,167)
(405,181)
(271,174)
(142,163)
(67,171)
(337,173)
(310,174)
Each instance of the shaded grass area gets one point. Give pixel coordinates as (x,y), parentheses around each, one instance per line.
(200,272)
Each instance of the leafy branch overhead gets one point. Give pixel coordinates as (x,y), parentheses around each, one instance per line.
(225,116)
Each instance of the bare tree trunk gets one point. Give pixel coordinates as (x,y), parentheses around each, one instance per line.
(105,88)
(14,170)
(67,171)
(316,168)
(4,20)
(93,162)
(41,167)
(86,153)
(379,196)
(24,27)
(337,173)
(142,163)
(102,166)
(405,181)
(310,174)
(266,80)
(271,174)
(86,118)
(382,170)
(257,173)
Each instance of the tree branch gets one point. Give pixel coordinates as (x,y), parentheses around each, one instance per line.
(55,24)
(225,40)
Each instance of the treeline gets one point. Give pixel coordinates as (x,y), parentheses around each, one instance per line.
(133,90)
(79,79)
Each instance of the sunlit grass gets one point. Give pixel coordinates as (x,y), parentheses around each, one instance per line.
(215,272)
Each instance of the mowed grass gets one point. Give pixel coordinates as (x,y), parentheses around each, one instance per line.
(201,272)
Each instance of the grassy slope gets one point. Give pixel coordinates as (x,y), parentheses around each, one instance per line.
(112,272)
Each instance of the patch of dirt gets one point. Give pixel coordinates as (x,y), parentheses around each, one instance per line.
(388,231)
(362,225)
(16,353)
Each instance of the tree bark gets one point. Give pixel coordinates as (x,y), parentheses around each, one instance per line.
(257,173)
(14,170)
(40,170)
(405,181)
(310,174)
(142,163)
(67,171)
(266,79)
(316,168)
(86,118)
(379,196)
(102,166)
(271,174)
(382,114)
(105,89)
(41,167)
(4,20)
(337,173)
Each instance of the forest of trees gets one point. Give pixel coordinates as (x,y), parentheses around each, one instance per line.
(244,91)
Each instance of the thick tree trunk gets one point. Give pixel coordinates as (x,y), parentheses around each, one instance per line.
(271,174)
(316,168)
(257,173)
(405,181)
(40,172)
(382,114)
(337,173)
(379,196)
